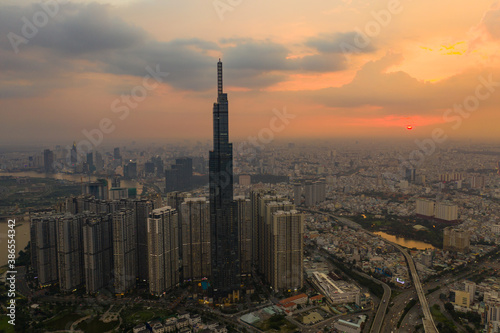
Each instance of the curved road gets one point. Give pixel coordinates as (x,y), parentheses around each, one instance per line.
(382,307)
(428,321)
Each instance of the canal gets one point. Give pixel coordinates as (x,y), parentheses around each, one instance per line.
(409,243)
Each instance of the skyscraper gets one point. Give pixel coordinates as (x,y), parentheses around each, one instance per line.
(73,155)
(245,234)
(124,250)
(223,222)
(44,248)
(48,160)
(97,252)
(163,250)
(286,250)
(69,252)
(180,176)
(195,238)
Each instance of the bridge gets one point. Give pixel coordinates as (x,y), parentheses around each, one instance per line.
(427,321)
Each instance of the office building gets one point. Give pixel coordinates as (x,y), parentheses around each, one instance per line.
(180,175)
(73,155)
(460,298)
(130,170)
(223,223)
(163,250)
(48,161)
(99,161)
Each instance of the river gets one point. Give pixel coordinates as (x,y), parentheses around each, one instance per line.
(409,243)
(73,177)
(23,227)
(22,237)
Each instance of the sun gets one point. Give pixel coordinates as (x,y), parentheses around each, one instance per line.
(409,127)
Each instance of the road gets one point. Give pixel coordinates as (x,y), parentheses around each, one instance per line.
(428,321)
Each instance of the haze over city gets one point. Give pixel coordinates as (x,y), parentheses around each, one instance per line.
(225,166)
(348,69)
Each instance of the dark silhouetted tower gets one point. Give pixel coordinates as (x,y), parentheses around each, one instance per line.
(223,217)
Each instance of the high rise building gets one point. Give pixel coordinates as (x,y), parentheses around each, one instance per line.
(163,250)
(149,168)
(286,251)
(477,182)
(245,234)
(446,211)
(259,200)
(410,175)
(99,161)
(195,239)
(297,194)
(97,252)
(90,161)
(180,176)
(98,189)
(117,157)
(48,161)
(456,240)
(124,250)
(73,155)
(157,161)
(425,207)
(44,249)
(69,251)
(130,170)
(266,264)
(224,227)
(142,210)
(309,195)
(315,192)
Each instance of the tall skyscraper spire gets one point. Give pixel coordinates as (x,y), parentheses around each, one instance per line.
(219,77)
(223,223)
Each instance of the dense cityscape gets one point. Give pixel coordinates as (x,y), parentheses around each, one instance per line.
(148,183)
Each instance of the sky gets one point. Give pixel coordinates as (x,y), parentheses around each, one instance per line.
(294,69)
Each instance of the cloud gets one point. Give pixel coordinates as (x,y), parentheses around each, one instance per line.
(376,89)
(491,21)
(341,42)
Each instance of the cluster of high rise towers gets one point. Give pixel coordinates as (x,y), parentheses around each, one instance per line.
(219,242)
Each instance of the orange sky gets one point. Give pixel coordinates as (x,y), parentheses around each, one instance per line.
(350,68)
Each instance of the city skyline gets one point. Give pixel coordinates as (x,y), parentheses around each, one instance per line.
(376,84)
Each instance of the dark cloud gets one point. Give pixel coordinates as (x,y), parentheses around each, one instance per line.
(321,63)
(88,38)
(342,42)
